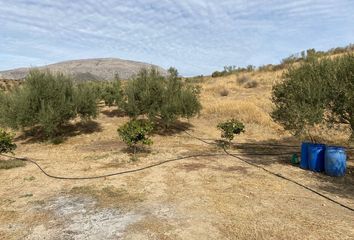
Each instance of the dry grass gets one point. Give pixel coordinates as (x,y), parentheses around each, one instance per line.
(109,196)
(251,84)
(250,105)
(8,164)
(247,112)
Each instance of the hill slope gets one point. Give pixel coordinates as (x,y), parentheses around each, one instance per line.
(87,69)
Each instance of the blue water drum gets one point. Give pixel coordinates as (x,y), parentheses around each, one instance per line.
(335,161)
(304,164)
(316,153)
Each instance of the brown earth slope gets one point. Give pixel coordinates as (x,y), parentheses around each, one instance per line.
(87,69)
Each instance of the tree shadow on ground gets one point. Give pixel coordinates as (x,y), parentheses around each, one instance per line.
(176,128)
(36,134)
(140,150)
(266,153)
(113,113)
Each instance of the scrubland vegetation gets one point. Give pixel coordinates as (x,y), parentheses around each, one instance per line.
(309,94)
(308,55)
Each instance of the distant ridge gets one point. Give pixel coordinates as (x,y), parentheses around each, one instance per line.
(87,69)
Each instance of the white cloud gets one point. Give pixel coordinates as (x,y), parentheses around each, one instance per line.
(195,36)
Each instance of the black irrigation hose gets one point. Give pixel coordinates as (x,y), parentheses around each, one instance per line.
(112,174)
(288,179)
(128,171)
(249,144)
(277,175)
(186,157)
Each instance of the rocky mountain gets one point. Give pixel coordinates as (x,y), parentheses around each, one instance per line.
(87,69)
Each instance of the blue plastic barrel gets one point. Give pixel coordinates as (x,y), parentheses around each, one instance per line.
(304,164)
(316,153)
(335,161)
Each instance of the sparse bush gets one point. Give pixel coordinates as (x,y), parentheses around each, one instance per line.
(243,79)
(194,80)
(136,132)
(224,92)
(217,74)
(246,82)
(228,70)
(6,142)
(160,98)
(230,128)
(46,100)
(251,84)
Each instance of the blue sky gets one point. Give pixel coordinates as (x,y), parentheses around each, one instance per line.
(195,36)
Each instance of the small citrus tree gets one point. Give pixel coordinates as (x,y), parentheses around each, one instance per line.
(136,132)
(6,142)
(229,128)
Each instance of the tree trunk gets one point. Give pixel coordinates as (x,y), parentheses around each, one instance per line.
(351,139)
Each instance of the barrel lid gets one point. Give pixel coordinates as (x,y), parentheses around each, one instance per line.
(318,145)
(336,148)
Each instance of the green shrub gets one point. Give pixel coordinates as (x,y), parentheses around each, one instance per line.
(160,98)
(6,142)
(319,91)
(230,128)
(228,70)
(136,132)
(218,74)
(46,100)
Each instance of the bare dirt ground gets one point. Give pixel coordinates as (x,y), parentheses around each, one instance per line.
(216,197)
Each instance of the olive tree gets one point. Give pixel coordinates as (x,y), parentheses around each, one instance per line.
(48,101)
(317,91)
(160,98)
(111,92)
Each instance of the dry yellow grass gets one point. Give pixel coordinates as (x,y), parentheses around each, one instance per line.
(246,111)
(250,105)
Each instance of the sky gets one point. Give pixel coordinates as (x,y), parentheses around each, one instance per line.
(195,36)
